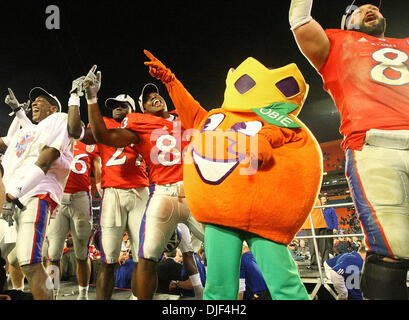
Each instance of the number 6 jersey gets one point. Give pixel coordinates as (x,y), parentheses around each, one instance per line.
(79,178)
(161,145)
(368,78)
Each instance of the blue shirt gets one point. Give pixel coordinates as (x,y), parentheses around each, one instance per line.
(347,265)
(331,218)
(250,271)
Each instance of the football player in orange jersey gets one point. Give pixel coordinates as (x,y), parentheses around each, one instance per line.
(158,137)
(125,193)
(75,214)
(367,75)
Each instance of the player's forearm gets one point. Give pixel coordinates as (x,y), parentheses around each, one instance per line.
(117,137)
(36,173)
(98,127)
(189,263)
(46,158)
(23,119)
(74,117)
(75,128)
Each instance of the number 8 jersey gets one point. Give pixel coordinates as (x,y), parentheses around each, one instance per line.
(161,145)
(368,78)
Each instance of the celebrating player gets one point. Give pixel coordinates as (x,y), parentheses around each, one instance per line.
(367,75)
(125,192)
(75,214)
(37,163)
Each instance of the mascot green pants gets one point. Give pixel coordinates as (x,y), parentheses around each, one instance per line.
(223,247)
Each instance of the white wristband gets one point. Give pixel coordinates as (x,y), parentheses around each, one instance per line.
(74,100)
(242,285)
(300,13)
(92,101)
(195,278)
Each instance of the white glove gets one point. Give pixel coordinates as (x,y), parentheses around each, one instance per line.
(76,91)
(77,86)
(9,207)
(92,84)
(300,13)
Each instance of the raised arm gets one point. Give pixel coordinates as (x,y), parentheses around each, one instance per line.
(310,36)
(117,138)
(189,110)
(19,109)
(75,126)
(20,119)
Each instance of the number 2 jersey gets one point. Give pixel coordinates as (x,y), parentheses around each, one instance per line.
(121,168)
(368,79)
(161,145)
(81,165)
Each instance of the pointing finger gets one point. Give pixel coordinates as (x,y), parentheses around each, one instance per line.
(149,55)
(12,96)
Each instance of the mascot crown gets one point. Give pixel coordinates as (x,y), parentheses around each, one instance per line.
(252,85)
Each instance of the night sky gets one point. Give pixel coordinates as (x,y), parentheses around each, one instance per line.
(198,40)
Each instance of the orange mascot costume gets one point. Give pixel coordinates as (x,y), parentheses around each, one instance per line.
(251,172)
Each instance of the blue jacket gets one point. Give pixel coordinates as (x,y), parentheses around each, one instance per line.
(331,218)
(347,265)
(250,271)
(123,274)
